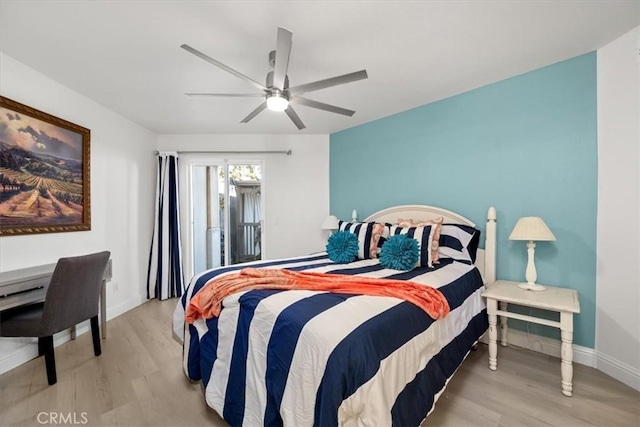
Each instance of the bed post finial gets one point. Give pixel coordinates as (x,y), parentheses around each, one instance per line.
(490,247)
(491,215)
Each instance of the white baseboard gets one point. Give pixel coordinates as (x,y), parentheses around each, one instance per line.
(621,371)
(19,356)
(582,355)
(549,346)
(30,350)
(125,306)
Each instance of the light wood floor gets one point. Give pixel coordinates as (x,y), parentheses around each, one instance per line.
(138,381)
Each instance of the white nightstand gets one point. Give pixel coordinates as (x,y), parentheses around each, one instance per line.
(562,300)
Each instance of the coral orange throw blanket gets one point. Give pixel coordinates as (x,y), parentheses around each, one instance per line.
(207,303)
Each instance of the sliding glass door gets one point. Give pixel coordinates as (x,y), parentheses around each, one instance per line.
(245,212)
(208,217)
(225,213)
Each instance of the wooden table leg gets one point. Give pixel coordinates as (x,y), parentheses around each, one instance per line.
(504,328)
(566,332)
(492,309)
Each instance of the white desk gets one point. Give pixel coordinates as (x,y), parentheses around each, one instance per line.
(29,285)
(562,300)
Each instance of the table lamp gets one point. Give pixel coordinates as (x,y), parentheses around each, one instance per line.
(330,223)
(531,228)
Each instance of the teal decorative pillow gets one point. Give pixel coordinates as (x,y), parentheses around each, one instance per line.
(400,252)
(342,247)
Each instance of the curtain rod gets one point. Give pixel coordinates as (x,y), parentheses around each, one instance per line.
(287,152)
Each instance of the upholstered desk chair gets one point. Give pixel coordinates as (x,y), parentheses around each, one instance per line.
(72,297)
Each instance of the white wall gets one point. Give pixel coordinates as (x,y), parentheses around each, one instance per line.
(122,194)
(618,273)
(296,186)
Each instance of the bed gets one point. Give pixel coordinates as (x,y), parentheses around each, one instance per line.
(303,358)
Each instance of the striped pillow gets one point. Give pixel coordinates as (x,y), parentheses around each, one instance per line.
(368,236)
(459,242)
(424,236)
(435,240)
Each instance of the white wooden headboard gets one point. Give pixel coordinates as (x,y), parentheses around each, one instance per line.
(486,258)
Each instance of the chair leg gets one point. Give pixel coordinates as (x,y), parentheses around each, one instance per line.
(95,333)
(45,345)
(40,347)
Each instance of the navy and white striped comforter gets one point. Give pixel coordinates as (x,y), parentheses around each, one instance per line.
(302,358)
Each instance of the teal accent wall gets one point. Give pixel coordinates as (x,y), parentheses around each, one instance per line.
(526,145)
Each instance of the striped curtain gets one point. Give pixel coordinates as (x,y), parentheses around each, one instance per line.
(164,276)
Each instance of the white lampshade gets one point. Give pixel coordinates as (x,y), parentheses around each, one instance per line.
(531,228)
(330,223)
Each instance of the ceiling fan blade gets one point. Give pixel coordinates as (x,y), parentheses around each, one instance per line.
(221,65)
(333,81)
(255,112)
(322,106)
(233,95)
(283,50)
(294,118)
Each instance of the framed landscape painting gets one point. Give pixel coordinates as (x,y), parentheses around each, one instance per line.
(44,172)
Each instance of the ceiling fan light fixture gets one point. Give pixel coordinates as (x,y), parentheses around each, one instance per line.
(277,102)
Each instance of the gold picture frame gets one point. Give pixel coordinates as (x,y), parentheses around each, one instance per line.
(44,172)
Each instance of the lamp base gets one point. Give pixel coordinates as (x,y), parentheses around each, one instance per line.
(531,286)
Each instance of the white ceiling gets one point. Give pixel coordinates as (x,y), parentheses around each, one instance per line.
(126,54)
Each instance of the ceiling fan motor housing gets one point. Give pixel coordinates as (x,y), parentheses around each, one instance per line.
(269,81)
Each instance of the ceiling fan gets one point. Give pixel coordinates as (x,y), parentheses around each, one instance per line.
(277,94)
